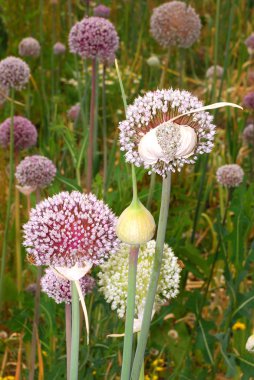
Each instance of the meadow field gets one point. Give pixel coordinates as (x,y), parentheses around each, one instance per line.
(127,190)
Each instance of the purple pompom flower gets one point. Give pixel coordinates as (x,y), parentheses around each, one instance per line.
(101,11)
(25,133)
(94,37)
(248,134)
(210,72)
(14,73)
(29,47)
(230,175)
(59,48)
(175,24)
(70,229)
(35,172)
(249,42)
(248,100)
(150,139)
(73,112)
(59,288)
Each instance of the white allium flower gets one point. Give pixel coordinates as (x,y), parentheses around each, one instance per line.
(149,138)
(250,344)
(113,278)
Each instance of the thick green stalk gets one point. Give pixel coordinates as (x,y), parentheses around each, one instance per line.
(35,325)
(151,190)
(8,209)
(130,311)
(17,236)
(139,356)
(90,152)
(35,333)
(74,333)
(68,338)
(142,372)
(104,132)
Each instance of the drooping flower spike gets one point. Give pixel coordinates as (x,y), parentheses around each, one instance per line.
(59,288)
(114,279)
(166,129)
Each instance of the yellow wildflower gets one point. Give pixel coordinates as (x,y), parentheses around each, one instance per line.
(239,326)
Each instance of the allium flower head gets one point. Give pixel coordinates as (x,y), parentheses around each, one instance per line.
(25,133)
(94,37)
(249,42)
(29,47)
(113,278)
(69,229)
(35,171)
(59,48)
(150,139)
(73,112)
(248,100)
(4,92)
(230,175)
(250,344)
(153,61)
(14,73)
(101,11)
(175,24)
(210,71)
(59,288)
(248,134)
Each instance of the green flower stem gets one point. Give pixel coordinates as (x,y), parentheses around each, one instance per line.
(142,372)
(104,132)
(35,332)
(130,311)
(74,333)
(35,325)
(90,153)
(68,338)
(151,190)
(8,209)
(17,235)
(139,356)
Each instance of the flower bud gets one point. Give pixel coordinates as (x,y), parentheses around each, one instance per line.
(167,142)
(136,224)
(153,61)
(250,344)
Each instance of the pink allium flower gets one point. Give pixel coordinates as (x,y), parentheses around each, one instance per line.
(249,42)
(14,73)
(29,47)
(69,229)
(217,68)
(248,100)
(4,92)
(59,288)
(167,149)
(94,37)
(248,134)
(175,24)
(230,175)
(25,133)
(73,112)
(101,11)
(59,48)
(35,171)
